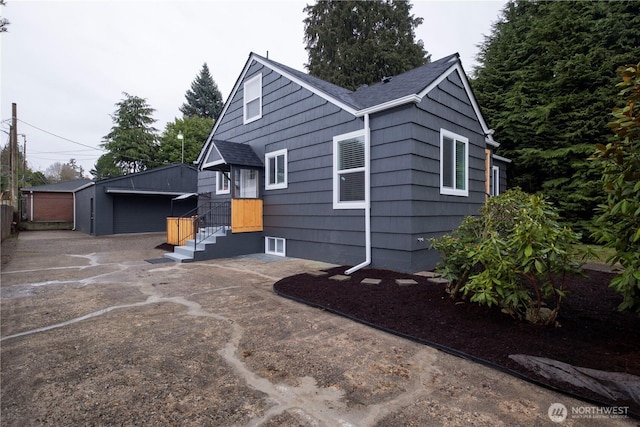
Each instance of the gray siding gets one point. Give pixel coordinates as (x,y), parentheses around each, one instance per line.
(133,213)
(406,205)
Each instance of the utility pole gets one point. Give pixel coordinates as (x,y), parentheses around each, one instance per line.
(13,156)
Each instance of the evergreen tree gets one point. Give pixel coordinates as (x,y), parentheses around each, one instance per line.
(351,43)
(195,131)
(132,140)
(106,167)
(546,83)
(203,99)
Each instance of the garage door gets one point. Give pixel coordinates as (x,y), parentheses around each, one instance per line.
(140,213)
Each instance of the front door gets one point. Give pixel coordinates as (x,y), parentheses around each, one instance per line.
(246,183)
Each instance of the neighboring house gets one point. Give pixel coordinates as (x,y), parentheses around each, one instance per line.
(136,203)
(50,206)
(355,178)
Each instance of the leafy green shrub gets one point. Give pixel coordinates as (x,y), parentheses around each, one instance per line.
(618,225)
(515,255)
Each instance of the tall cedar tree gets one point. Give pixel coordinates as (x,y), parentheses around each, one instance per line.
(204,98)
(351,43)
(546,83)
(132,140)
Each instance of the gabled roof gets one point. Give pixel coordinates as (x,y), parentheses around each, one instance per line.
(60,187)
(409,87)
(233,153)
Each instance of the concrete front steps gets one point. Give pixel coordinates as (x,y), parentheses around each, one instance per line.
(222,244)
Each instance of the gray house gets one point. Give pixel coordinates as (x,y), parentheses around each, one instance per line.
(358,178)
(138,202)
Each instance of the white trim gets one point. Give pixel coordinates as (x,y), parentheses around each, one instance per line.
(495,180)
(389,104)
(500,158)
(276,239)
(449,190)
(114,190)
(360,204)
(246,101)
(267,168)
(218,190)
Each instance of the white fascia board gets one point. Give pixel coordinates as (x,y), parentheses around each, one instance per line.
(148,192)
(500,158)
(489,140)
(217,162)
(299,82)
(389,104)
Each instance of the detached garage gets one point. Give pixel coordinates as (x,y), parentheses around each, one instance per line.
(136,203)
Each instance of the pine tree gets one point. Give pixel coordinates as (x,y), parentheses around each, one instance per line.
(203,99)
(132,140)
(351,43)
(546,83)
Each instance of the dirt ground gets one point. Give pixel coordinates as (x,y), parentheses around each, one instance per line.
(92,334)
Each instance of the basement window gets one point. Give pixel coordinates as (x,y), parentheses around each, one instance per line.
(274,246)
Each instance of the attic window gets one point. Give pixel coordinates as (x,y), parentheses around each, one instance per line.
(253,99)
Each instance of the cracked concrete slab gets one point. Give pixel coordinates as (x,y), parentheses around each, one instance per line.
(91,334)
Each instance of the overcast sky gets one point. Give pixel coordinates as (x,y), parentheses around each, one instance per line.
(66,63)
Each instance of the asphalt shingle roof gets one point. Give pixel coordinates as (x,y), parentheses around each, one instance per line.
(411,82)
(234,153)
(60,187)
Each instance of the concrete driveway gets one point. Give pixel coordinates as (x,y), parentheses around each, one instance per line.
(92,334)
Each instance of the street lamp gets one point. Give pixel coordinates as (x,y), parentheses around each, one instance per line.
(181,138)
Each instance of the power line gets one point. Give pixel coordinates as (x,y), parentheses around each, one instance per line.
(61,137)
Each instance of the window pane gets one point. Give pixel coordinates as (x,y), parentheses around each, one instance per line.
(351,153)
(253,108)
(272,170)
(447,162)
(279,246)
(280,169)
(272,244)
(252,89)
(461,167)
(351,187)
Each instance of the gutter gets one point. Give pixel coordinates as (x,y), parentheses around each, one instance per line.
(367,198)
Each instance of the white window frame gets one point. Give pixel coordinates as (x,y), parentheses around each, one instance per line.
(220,181)
(267,239)
(337,203)
(495,180)
(453,191)
(256,80)
(267,159)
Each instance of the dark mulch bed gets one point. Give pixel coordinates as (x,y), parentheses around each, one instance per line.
(592,333)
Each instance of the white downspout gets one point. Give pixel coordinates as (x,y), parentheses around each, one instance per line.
(367,198)
(31,208)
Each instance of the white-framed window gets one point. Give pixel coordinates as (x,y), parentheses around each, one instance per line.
(275,246)
(252,99)
(276,170)
(222,183)
(349,168)
(495,180)
(454,164)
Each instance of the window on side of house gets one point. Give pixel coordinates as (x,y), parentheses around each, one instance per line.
(275,246)
(454,164)
(495,180)
(253,99)
(276,171)
(349,171)
(222,183)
